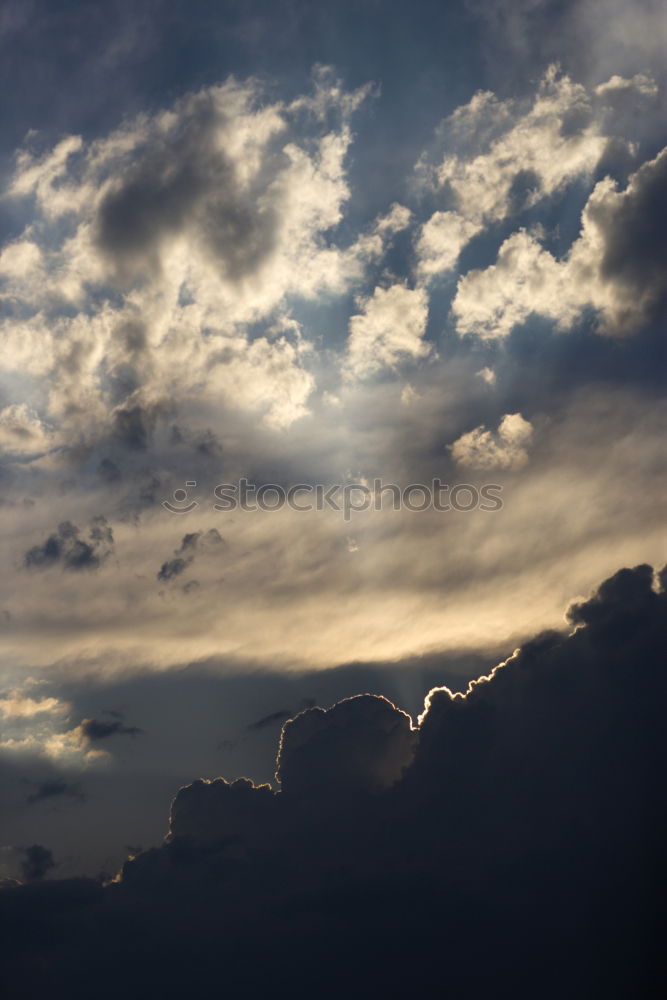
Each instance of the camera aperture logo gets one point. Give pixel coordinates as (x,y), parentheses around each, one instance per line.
(179,504)
(347,499)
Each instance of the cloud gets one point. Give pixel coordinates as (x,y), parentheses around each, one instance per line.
(155,248)
(66,549)
(219,813)
(639,83)
(37,862)
(22,432)
(41,728)
(487,375)
(594,37)
(18,705)
(363,743)
(132,426)
(506,449)
(631,226)
(172,567)
(388,331)
(397,218)
(109,471)
(503,157)
(530,808)
(55,788)
(396,596)
(441,240)
(195,542)
(93,730)
(615,267)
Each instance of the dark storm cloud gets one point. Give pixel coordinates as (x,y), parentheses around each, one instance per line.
(55,788)
(184,555)
(520,824)
(37,861)
(172,567)
(67,549)
(208,813)
(101,729)
(635,233)
(362,743)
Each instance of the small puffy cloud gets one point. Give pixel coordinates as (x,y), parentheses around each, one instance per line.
(616,267)
(18,705)
(360,744)
(487,375)
(504,449)
(525,279)
(66,548)
(640,83)
(388,331)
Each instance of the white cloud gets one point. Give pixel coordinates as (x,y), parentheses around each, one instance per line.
(193,223)
(37,725)
(398,217)
(268,377)
(389,330)
(22,432)
(43,177)
(525,279)
(20,259)
(17,705)
(615,267)
(441,240)
(640,83)
(504,157)
(487,375)
(505,449)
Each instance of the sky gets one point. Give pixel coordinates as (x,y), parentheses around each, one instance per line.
(340,246)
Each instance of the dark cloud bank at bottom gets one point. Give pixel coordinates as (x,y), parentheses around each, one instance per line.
(512,845)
